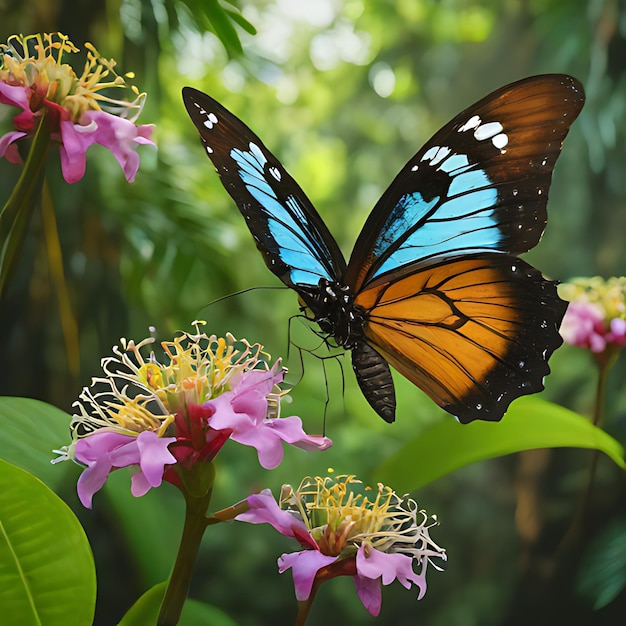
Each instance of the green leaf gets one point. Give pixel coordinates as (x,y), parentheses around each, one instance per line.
(528,424)
(146,611)
(602,575)
(242,21)
(223,27)
(47,573)
(29,431)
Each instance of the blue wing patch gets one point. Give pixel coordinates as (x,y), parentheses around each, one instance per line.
(460,218)
(287,221)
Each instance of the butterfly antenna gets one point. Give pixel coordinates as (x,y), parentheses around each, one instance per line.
(241,292)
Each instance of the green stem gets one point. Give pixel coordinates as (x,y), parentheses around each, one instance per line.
(578,522)
(598,407)
(180,579)
(16,213)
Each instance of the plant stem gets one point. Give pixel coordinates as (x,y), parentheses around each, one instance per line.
(180,579)
(578,522)
(15,214)
(55,267)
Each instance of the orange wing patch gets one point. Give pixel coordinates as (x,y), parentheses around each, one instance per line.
(473,333)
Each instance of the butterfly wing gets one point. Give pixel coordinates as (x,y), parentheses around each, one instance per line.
(295,243)
(474,332)
(480,184)
(471,326)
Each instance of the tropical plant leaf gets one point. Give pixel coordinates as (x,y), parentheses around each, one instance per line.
(602,575)
(146,611)
(235,16)
(223,27)
(528,424)
(47,573)
(30,430)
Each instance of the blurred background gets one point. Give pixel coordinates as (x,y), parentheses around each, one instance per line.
(344,93)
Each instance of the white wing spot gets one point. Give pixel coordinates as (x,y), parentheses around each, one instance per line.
(209,150)
(415,168)
(275,172)
(500,140)
(211,120)
(472,123)
(488,130)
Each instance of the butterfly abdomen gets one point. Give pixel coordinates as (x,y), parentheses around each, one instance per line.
(374,378)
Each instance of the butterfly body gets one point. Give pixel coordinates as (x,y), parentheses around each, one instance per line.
(433,286)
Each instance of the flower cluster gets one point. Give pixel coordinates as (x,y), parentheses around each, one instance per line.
(375,536)
(35,79)
(163,419)
(596,316)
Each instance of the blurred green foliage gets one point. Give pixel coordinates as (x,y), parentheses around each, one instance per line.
(344,93)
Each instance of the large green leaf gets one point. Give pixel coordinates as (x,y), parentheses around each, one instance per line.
(602,574)
(528,424)
(29,431)
(47,573)
(146,610)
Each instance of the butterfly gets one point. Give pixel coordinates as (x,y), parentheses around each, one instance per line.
(434,286)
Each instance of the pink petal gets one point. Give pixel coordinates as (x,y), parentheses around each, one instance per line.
(263,380)
(139,485)
(91,480)
(265,510)
(154,456)
(95,451)
(106,451)
(121,137)
(93,447)
(8,147)
(370,593)
(16,95)
(226,417)
(243,410)
(389,567)
(304,567)
(617,334)
(583,326)
(290,430)
(75,139)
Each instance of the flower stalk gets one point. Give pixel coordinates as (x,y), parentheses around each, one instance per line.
(16,213)
(196,507)
(596,321)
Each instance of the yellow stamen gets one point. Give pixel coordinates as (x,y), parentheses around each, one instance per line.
(140,393)
(36,61)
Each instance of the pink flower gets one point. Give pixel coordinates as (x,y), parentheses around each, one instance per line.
(596,316)
(583,326)
(207,390)
(374,541)
(33,79)
(103,451)
(617,331)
